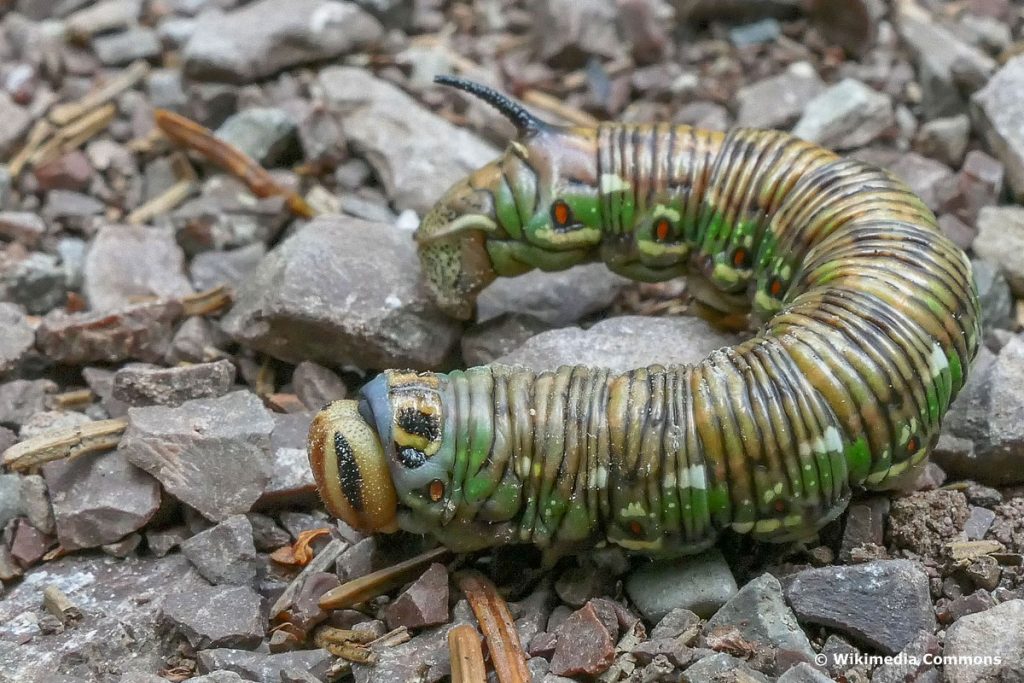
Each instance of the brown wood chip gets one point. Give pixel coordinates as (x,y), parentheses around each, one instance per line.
(467,655)
(497,625)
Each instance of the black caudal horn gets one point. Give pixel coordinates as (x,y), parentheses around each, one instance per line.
(525,122)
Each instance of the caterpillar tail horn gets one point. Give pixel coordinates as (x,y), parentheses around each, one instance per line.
(351,470)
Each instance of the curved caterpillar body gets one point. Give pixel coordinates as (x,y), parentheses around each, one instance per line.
(870,321)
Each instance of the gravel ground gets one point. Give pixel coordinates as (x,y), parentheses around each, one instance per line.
(111,240)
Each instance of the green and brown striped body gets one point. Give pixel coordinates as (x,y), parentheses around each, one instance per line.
(870,321)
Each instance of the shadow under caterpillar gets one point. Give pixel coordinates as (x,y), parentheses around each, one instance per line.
(869,321)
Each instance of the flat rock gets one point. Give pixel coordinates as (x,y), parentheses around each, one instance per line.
(225,553)
(803,673)
(883,604)
(700,583)
(486,342)
(17,120)
(126,263)
(10,498)
(216,616)
(99,499)
(424,603)
(778,101)
(944,139)
(16,337)
(568,32)
(995,634)
(20,399)
(262,38)
(760,613)
(119,631)
(212,454)
(317,297)
(262,667)
(923,176)
(720,666)
(264,133)
(416,154)
(997,110)
(622,343)
(316,386)
(846,115)
(583,644)
(137,332)
(559,298)
(994,295)
(146,385)
(117,49)
(1001,240)
(24,227)
(291,478)
(925,522)
(225,267)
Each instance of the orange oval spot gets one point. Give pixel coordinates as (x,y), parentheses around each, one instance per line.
(561,213)
(912,445)
(780,505)
(661,229)
(436,490)
(635,528)
(739,259)
(776,287)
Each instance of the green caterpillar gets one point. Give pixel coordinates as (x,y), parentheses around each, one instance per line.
(869,319)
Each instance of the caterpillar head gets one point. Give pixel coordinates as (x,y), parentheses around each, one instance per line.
(509,216)
(370,455)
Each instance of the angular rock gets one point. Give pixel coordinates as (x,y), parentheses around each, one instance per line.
(262,667)
(103,16)
(34,280)
(993,294)
(138,332)
(916,663)
(24,227)
(197,340)
(700,583)
(35,502)
(803,673)
(10,498)
(761,615)
(923,176)
(146,385)
(229,267)
(264,37)
(988,646)
(777,102)
(560,298)
(317,297)
(125,263)
(944,139)
(883,604)
(16,120)
(622,343)
(71,171)
(224,554)
(718,666)
(16,337)
(865,526)
(216,616)
(568,32)
(162,541)
(416,154)
(583,646)
(424,603)
(20,399)
(926,521)
(117,49)
(316,386)
(1001,240)
(99,499)
(291,479)
(212,454)
(486,342)
(264,133)
(997,110)
(28,544)
(848,114)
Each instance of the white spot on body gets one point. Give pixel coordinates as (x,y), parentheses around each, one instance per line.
(612,182)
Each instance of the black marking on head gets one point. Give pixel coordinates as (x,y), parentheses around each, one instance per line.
(525,122)
(411,458)
(348,472)
(418,423)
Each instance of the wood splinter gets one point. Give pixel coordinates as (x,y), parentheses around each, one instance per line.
(58,604)
(467,655)
(92,437)
(497,625)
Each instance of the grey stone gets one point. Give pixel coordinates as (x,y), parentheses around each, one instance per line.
(121,48)
(291,476)
(262,667)
(225,553)
(119,600)
(777,102)
(916,663)
(803,673)
(424,603)
(762,31)
(923,176)
(267,536)
(34,280)
(264,37)
(264,133)
(715,667)
(99,499)
(622,344)
(937,52)
(20,399)
(700,583)
(559,298)
(24,227)
(944,139)
(35,502)
(567,32)
(10,498)
(997,110)
(216,616)
(883,604)
(1001,240)
(104,16)
(212,454)
(17,120)
(996,633)
(317,297)
(197,340)
(416,154)
(229,267)
(162,541)
(316,386)
(761,615)
(227,677)
(993,294)
(125,263)
(165,89)
(16,337)
(146,385)
(486,342)
(846,115)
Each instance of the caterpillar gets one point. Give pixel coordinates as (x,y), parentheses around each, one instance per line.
(868,321)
